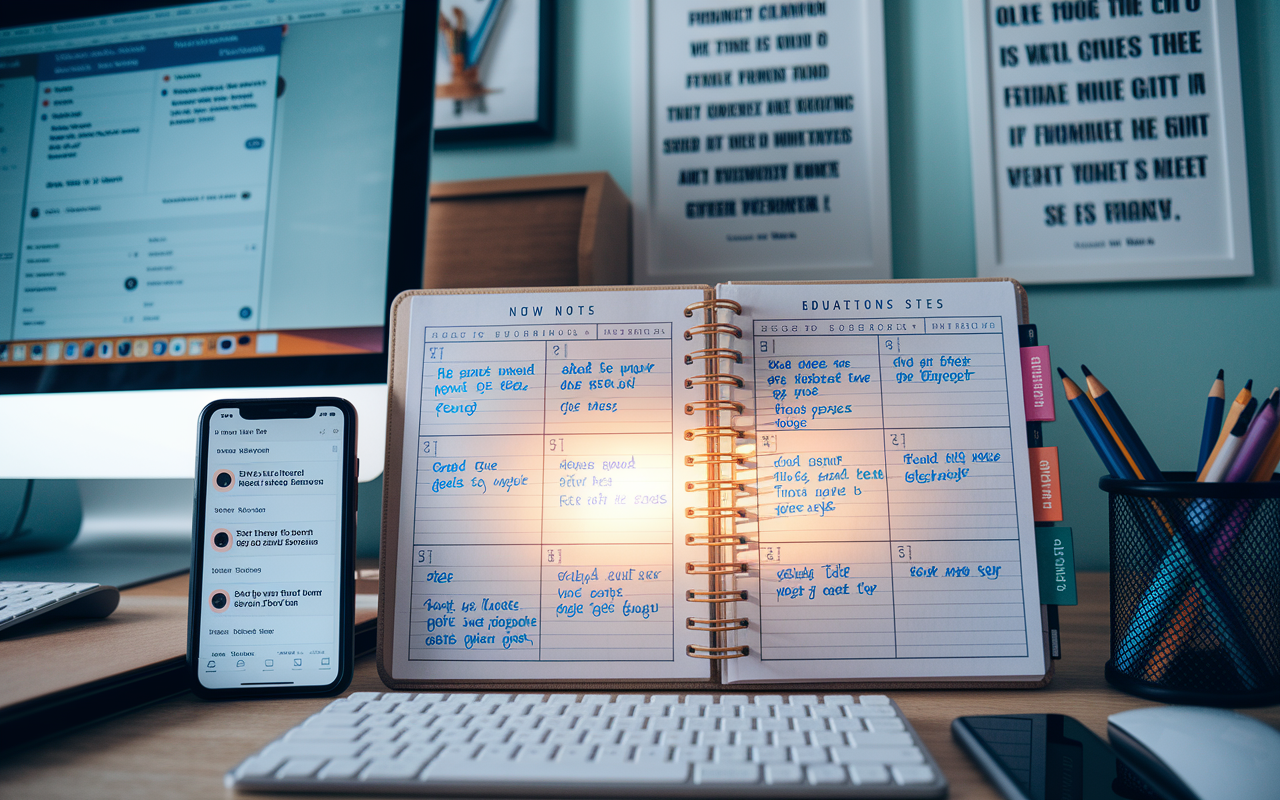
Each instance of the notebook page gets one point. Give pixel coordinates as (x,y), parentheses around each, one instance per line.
(891,533)
(543,482)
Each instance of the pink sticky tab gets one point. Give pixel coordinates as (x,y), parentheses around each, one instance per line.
(1037,384)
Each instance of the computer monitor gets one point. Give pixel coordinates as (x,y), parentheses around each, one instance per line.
(200,201)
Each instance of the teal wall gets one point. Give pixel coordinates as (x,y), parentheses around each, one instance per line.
(1156,345)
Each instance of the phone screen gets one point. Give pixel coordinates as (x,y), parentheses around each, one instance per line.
(271,551)
(1051,757)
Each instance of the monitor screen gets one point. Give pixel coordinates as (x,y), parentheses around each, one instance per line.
(202,195)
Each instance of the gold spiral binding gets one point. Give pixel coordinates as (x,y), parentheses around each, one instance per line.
(713,512)
(715,625)
(712,458)
(708,353)
(713,380)
(715,486)
(712,432)
(720,485)
(715,568)
(717,596)
(716,653)
(711,305)
(714,539)
(711,328)
(714,405)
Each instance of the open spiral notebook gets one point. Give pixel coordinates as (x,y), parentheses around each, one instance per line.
(789,485)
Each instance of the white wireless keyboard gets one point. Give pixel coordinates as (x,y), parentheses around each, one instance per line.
(599,744)
(22,601)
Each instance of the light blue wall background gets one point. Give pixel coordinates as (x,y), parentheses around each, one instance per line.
(1156,345)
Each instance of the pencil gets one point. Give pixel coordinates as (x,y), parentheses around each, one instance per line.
(1231,448)
(1111,413)
(1269,460)
(1237,406)
(1255,441)
(1212,420)
(1094,429)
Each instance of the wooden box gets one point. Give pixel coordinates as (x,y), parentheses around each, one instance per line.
(545,230)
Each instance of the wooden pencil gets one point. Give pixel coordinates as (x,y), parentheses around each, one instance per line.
(1237,406)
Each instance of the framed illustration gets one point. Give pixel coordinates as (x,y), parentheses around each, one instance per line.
(1107,141)
(759,141)
(495,70)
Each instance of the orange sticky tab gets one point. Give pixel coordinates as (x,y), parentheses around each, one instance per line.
(1046,487)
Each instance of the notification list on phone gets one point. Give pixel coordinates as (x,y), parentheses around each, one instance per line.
(272,551)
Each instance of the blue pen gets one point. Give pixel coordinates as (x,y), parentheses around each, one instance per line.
(1212,420)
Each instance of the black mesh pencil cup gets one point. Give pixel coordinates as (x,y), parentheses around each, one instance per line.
(1195,590)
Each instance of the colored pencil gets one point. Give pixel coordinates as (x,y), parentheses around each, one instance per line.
(1255,441)
(1227,453)
(1269,460)
(1212,420)
(1110,411)
(1237,406)
(1095,430)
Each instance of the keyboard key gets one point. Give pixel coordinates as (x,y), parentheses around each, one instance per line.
(323,734)
(574,753)
(284,750)
(881,739)
(873,700)
(342,769)
(728,754)
(726,773)
(912,774)
(299,768)
(825,773)
(783,773)
(653,753)
(869,773)
(496,752)
(885,724)
(391,769)
(769,755)
(612,753)
(535,752)
(260,766)
(809,755)
(878,755)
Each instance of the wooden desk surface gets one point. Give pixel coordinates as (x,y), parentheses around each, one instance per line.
(183,746)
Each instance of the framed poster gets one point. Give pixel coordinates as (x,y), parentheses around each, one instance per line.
(1107,140)
(495,75)
(759,141)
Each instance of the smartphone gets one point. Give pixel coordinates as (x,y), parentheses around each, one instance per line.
(1050,757)
(273,549)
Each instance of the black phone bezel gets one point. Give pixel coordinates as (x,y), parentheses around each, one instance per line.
(279,408)
(995,772)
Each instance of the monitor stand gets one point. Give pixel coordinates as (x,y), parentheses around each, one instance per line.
(129,532)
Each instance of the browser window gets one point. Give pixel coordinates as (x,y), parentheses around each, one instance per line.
(197,182)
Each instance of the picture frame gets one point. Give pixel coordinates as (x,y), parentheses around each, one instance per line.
(778,208)
(495,71)
(1107,148)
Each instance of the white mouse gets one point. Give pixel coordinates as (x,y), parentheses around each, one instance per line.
(1207,753)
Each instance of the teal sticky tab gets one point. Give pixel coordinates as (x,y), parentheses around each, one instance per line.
(1056,557)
